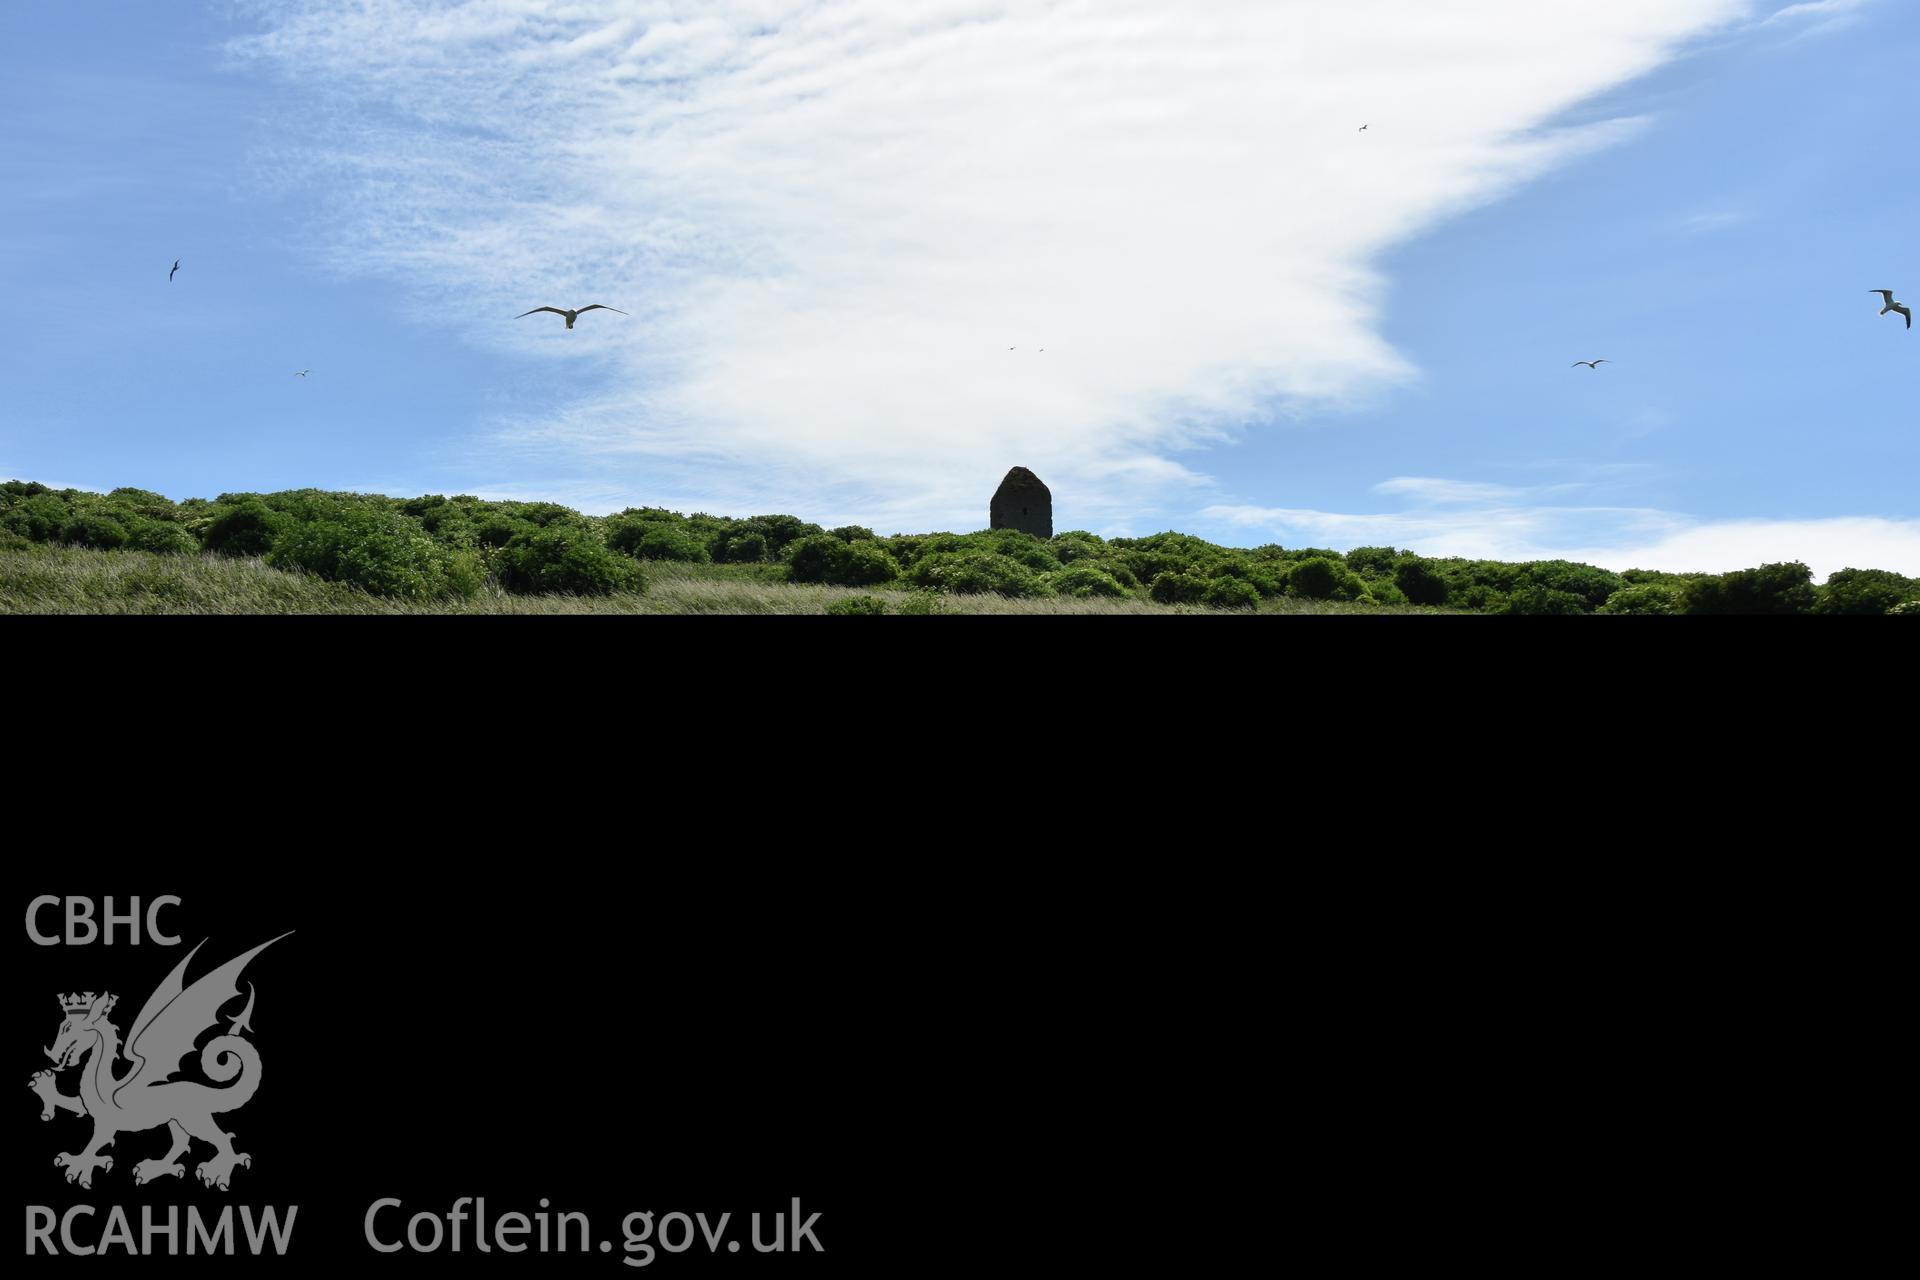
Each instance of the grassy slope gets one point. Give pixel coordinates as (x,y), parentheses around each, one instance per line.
(75,580)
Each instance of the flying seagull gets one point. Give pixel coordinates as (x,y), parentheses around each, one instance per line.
(1901,307)
(1364,128)
(174,272)
(571,316)
(303,373)
(1591,364)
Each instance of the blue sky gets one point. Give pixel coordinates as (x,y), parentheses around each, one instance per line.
(830,221)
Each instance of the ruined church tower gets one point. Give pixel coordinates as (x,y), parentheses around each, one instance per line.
(1023,503)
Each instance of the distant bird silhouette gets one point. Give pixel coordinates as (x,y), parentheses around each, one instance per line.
(303,373)
(1591,364)
(570,316)
(1364,128)
(176,271)
(1901,307)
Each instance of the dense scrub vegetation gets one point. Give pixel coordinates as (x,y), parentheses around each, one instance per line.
(437,548)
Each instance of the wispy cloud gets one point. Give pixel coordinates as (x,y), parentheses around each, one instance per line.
(1813,11)
(1816,16)
(832,218)
(1427,491)
(1714,220)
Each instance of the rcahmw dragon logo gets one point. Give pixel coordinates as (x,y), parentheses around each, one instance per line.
(146,1097)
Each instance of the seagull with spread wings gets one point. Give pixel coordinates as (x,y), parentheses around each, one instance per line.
(176,271)
(570,316)
(1901,307)
(1591,364)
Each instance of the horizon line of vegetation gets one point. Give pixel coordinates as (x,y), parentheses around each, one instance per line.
(434,547)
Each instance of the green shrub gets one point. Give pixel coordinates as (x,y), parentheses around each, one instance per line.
(1653,599)
(647,533)
(453,527)
(315,504)
(145,504)
(857,606)
(1420,581)
(906,548)
(544,515)
(824,557)
(933,544)
(779,531)
(1313,579)
(1083,580)
(978,573)
(1022,548)
(1177,588)
(1383,591)
(1478,596)
(811,559)
(1176,553)
(566,558)
(1318,578)
(381,552)
(1231,593)
(1536,599)
(622,533)
(1069,547)
(1771,589)
(1270,577)
(1594,586)
(38,517)
(1870,592)
(248,528)
(853,533)
(1374,562)
(497,529)
(661,541)
(748,548)
(1910,609)
(94,529)
(1657,577)
(1148,563)
(865,563)
(162,537)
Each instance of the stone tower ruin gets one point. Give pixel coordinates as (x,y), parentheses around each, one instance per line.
(1023,503)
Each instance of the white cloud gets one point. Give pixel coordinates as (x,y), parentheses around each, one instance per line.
(1717,220)
(831,218)
(1721,546)
(1495,522)
(1824,13)
(1426,490)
